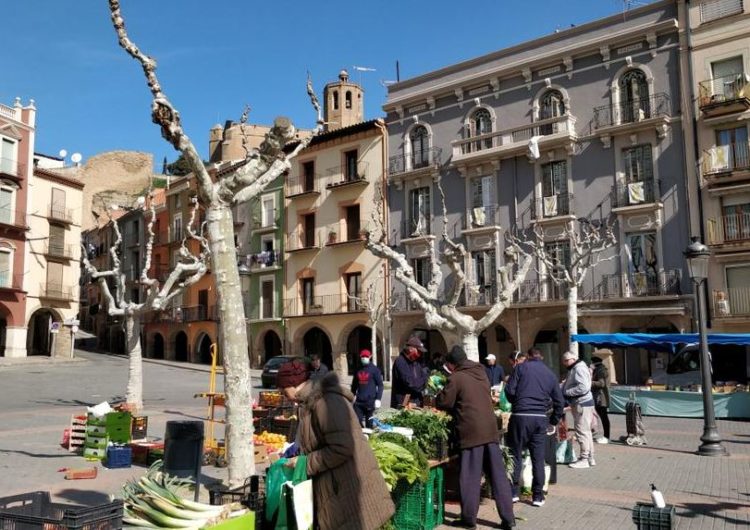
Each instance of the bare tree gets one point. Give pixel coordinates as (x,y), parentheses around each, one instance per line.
(588,241)
(247,179)
(442,310)
(187,271)
(378,308)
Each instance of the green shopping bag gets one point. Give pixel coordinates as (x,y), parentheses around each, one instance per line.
(504,405)
(276,476)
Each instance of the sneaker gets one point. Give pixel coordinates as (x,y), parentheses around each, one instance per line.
(538,503)
(580,464)
(592,462)
(516,499)
(602,440)
(460,523)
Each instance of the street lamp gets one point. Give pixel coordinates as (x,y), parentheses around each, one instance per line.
(697,256)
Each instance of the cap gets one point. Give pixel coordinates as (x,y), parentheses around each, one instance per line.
(457,355)
(365,353)
(414,342)
(491,357)
(569,355)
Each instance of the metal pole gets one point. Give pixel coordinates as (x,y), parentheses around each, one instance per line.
(711,445)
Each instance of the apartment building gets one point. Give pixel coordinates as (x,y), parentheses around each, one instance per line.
(330,198)
(584,123)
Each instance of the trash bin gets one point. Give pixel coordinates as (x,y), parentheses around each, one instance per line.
(183,450)
(550,456)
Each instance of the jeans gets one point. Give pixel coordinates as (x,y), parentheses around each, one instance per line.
(582,425)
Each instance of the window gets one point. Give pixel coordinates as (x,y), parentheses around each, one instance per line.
(308,170)
(480,123)
(643,264)
(308,230)
(483,201)
(419,142)
(555,198)
(484,267)
(177,228)
(634,97)
(350,165)
(713,9)
(419,211)
(335,95)
(6,255)
(268,211)
(6,204)
(551,106)
(736,222)
(354,291)
(352,222)
(56,244)
(738,289)
(732,148)
(308,293)
(266,297)
(178,201)
(421,268)
(638,163)
(58,203)
(559,253)
(348,99)
(54,279)
(8,157)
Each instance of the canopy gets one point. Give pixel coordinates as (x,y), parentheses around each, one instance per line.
(657,341)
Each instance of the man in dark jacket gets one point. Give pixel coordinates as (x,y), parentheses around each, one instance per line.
(495,373)
(532,390)
(319,370)
(367,387)
(467,397)
(600,391)
(409,376)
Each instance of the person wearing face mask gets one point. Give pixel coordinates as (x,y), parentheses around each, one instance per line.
(409,376)
(367,387)
(348,489)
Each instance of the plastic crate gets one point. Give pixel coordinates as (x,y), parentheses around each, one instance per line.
(141,450)
(439,450)
(32,511)
(286,427)
(419,506)
(649,517)
(251,494)
(119,434)
(94,453)
(119,456)
(139,428)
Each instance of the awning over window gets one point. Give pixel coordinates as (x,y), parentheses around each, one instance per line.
(656,341)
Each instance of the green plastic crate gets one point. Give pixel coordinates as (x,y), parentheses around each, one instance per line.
(118,434)
(94,453)
(243,522)
(419,506)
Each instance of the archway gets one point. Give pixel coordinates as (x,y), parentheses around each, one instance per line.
(181,347)
(158,348)
(39,337)
(203,348)
(271,345)
(359,339)
(316,341)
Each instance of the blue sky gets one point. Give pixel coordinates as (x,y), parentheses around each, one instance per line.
(216,56)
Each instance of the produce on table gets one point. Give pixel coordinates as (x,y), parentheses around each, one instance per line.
(395,463)
(429,426)
(154,501)
(275,442)
(411,446)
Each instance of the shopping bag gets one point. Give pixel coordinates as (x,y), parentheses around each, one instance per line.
(299,502)
(286,519)
(276,475)
(565,453)
(504,405)
(527,476)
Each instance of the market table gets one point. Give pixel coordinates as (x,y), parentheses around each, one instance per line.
(680,404)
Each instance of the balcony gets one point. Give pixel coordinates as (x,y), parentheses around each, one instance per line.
(481,219)
(322,305)
(729,231)
(417,229)
(198,313)
(256,311)
(546,134)
(638,285)
(536,291)
(267,221)
(401,303)
(262,261)
(301,240)
(724,95)
(345,176)
(56,291)
(636,193)
(60,214)
(633,115)
(11,282)
(56,250)
(552,207)
(417,162)
(12,170)
(733,302)
(344,233)
(13,218)
(479,296)
(725,164)
(303,186)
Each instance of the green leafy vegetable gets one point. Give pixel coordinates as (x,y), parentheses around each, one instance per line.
(396,463)
(410,445)
(429,426)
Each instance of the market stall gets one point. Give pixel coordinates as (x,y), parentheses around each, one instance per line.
(681,395)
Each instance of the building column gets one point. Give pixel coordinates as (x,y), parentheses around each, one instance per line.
(15,342)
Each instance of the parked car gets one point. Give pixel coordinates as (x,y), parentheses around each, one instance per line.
(271,369)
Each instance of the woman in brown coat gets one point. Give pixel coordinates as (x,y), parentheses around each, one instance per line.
(348,489)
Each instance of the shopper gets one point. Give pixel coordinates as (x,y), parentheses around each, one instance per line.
(495,373)
(367,387)
(532,390)
(577,392)
(409,377)
(319,370)
(467,397)
(600,392)
(348,489)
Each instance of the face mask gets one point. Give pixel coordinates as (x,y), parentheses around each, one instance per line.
(365,360)
(445,367)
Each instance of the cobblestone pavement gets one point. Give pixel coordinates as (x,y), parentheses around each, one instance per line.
(709,493)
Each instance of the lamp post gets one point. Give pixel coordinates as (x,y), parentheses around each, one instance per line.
(697,256)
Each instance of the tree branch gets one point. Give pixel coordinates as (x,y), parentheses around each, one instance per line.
(454,255)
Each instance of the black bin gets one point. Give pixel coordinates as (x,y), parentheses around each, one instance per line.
(183,449)
(550,456)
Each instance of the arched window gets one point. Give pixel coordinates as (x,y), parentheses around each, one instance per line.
(635,104)
(551,105)
(480,123)
(335,100)
(419,142)
(348,99)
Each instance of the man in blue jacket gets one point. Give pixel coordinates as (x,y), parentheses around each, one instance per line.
(532,390)
(367,387)
(495,373)
(409,377)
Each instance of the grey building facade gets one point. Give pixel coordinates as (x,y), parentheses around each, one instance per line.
(584,123)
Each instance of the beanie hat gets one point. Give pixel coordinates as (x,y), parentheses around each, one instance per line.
(457,355)
(292,373)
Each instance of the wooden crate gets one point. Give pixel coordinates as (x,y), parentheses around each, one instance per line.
(77,436)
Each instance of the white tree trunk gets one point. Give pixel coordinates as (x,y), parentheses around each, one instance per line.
(470,343)
(572,317)
(134,390)
(374,344)
(232,344)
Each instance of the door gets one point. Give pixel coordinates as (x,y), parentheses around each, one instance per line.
(56,240)
(350,158)
(734,144)
(555,199)
(308,294)
(6,205)
(202,304)
(634,96)
(5,257)
(726,77)
(268,212)
(309,176)
(266,293)
(419,213)
(644,266)
(58,203)
(352,222)
(482,201)
(309,230)
(552,106)
(55,280)
(353,291)
(738,289)
(419,147)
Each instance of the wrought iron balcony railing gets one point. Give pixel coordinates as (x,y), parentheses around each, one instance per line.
(424,158)
(322,305)
(346,175)
(732,302)
(552,206)
(722,159)
(638,284)
(634,193)
(655,106)
(724,90)
(303,185)
(481,217)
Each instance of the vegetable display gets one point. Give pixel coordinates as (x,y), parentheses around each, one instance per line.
(154,501)
(429,426)
(411,446)
(395,463)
